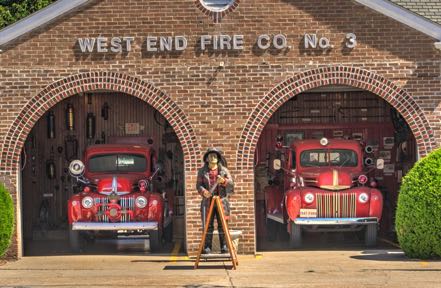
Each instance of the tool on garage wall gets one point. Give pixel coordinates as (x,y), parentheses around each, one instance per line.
(105,111)
(51,125)
(50,166)
(71,148)
(90,125)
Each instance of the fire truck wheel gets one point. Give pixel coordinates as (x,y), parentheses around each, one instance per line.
(371,235)
(295,238)
(74,240)
(155,240)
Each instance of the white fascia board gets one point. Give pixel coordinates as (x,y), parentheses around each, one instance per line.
(38,19)
(404,16)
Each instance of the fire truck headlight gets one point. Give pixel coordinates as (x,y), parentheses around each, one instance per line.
(309,198)
(141,202)
(76,168)
(363,198)
(87,202)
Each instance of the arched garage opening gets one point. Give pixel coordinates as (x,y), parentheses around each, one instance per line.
(92,92)
(357,79)
(334,113)
(62,135)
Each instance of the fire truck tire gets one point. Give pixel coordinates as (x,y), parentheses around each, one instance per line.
(155,240)
(295,239)
(74,240)
(370,235)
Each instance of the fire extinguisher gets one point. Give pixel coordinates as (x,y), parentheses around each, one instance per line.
(51,125)
(90,125)
(70,120)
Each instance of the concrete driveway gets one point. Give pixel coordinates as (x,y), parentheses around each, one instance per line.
(348,268)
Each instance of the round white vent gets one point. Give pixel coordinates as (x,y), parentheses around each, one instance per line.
(217,5)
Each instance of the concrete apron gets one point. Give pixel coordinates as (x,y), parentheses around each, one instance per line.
(369,268)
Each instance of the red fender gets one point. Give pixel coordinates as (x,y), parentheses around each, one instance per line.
(376,204)
(293,203)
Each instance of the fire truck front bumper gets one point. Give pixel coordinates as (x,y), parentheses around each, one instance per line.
(336,221)
(98,226)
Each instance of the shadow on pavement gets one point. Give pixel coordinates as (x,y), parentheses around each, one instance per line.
(384,255)
(177,267)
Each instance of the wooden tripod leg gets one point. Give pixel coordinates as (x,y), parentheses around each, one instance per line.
(230,245)
(204,235)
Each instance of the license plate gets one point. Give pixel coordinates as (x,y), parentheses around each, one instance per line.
(308,213)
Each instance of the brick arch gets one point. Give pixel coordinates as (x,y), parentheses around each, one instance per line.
(333,75)
(74,84)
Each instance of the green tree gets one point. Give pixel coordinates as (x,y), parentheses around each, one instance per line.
(418,217)
(6,219)
(14,10)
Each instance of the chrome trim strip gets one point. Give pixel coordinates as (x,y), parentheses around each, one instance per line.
(336,221)
(115,226)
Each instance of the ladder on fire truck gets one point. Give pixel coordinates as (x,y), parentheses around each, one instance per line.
(216,204)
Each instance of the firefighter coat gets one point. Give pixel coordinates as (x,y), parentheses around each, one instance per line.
(223,190)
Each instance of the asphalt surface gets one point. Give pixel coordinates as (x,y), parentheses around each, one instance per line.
(307,268)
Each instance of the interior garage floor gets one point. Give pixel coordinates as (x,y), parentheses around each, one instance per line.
(100,247)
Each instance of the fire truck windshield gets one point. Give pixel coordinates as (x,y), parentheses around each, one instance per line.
(328,157)
(117,163)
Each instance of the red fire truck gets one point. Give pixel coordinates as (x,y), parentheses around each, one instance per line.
(116,194)
(326,188)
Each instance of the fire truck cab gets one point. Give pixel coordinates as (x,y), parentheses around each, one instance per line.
(116,195)
(326,188)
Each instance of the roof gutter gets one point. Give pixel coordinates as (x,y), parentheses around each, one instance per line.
(406,17)
(37,19)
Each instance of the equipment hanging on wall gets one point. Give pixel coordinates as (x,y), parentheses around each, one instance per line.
(70,120)
(105,111)
(50,169)
(50,166)
(90,125)
(51,125)
(71,148)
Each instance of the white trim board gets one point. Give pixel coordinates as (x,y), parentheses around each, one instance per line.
(38,19)
(404,16)
(61,7)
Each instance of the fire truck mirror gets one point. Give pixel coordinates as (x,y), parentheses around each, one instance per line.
(380,164)
(277,164)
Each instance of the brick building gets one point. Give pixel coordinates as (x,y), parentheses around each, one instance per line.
(217,74)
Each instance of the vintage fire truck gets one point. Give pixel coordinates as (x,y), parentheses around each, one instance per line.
(116,195)
(326,188)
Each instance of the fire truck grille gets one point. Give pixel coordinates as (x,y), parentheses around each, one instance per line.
(336,205)
(126,203)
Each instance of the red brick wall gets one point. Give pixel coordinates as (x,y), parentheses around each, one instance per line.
(211,106)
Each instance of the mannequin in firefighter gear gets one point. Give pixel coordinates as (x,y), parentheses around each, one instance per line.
(214,179)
